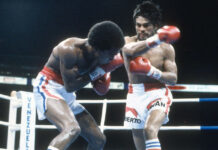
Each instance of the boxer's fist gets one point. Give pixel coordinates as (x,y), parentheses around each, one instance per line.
(168,34)
(114,64)
(141,65)
(101,85)
(111,66)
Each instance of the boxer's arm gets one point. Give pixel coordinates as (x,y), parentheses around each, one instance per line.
(169,75)
(134,49)
(80,81)
(99,71)
(167,34)
(70,74)
(69,71)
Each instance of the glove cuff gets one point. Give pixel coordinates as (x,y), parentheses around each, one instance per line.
(97,73)
(155,73)
(153,41)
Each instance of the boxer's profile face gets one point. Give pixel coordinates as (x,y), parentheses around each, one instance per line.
(144,28)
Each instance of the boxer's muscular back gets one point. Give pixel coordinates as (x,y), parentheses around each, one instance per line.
(156,56)
(73,48)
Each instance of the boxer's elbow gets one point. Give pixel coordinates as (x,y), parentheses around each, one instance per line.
(172,80)
(169,78)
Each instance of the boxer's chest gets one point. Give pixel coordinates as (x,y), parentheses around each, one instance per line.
(155,56)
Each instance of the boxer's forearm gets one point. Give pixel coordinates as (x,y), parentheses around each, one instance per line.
(168,78)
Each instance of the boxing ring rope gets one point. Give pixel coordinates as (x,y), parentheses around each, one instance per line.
(28,115)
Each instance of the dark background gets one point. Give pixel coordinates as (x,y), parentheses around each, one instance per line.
(30,29)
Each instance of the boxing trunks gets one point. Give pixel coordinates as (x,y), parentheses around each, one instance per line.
(49,84)
(144,98)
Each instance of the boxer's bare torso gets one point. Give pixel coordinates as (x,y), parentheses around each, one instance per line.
(161,57)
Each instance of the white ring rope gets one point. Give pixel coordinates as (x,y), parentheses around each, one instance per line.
(105,102)
(5,97)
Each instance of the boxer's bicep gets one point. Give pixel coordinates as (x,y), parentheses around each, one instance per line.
(68,69)
(169,72)
(169,62)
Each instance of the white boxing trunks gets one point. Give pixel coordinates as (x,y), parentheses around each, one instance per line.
(142,99)
(49,84)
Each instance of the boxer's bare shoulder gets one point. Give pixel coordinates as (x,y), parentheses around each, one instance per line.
(69,42)
(129,39)
(168,49)
(68,47)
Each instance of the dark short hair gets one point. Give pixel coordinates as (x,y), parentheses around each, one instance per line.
(106,35)
(149,10)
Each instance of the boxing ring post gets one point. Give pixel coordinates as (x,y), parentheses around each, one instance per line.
(28,120)
(14,104)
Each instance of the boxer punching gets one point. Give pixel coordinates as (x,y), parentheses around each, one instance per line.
(149,59)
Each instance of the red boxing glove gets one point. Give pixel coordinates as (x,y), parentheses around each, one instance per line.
(111,66)
(141,65)
(114,64)
(168,34)
(101,85)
